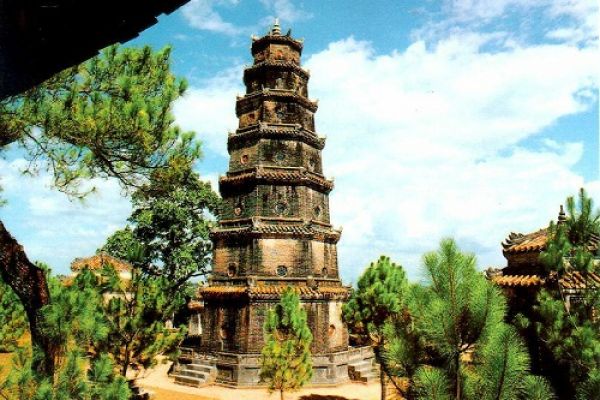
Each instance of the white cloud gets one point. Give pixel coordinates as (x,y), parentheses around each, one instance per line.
(424,143)
(578,18)
(209,109)
(201,14)
(52,228)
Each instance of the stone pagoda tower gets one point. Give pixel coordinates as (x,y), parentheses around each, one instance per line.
(274,229)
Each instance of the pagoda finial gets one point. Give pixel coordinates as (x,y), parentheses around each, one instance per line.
(276,30)
(562,217)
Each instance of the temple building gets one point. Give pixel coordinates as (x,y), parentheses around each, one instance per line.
(274,232)
(525,274)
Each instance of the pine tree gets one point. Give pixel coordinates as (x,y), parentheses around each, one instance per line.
(569,335)
(286,363)
(136,312)
(108,117)
(460,347)
(13,321)
(380,297)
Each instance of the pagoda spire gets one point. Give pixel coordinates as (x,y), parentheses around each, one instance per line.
(276,30)
(562,217)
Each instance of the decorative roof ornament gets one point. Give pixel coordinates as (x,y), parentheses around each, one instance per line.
(276,30)
(562,217)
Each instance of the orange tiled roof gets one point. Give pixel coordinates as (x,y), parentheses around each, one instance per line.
(272,290)
(517,280)
(96,262)
(570,280)
(522,243)
(536,241)
(578,280)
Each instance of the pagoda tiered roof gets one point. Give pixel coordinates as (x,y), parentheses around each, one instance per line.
(275,65)
(273,94)
(276,175)
(276,131)
(274,227)
(273,291)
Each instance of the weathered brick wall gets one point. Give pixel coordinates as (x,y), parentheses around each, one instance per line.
(244,257)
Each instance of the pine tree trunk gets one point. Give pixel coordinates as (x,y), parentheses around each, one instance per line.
(458,389)
(281,394)
(125,365)
(29,284)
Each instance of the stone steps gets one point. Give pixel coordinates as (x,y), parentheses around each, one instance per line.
(364,371)
(198,373)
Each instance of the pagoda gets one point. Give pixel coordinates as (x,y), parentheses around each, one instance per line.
(274,229)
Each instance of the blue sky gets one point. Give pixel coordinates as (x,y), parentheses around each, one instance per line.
(464,118)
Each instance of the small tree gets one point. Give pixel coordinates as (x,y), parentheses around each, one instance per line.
(286,359)
(135,314)
(379,298)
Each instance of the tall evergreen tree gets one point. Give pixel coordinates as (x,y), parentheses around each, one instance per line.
(569,334)
(460,347)
(379,298)
(108,117)
(286,363)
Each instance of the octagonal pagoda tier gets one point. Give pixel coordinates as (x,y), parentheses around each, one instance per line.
(274,228)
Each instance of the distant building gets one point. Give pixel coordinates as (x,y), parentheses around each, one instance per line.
(525,274)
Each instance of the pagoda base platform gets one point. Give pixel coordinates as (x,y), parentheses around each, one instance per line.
(242,370)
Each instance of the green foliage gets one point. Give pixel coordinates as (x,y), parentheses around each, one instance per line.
(569,337)
(286,360)
(13,320)
(109,116)
(171,223)
(134,314)
(590,387)
(501,369)
(74,318)
(537,388)
(379,296)
(460,308)
(431,384)
(451,342)
(73,380)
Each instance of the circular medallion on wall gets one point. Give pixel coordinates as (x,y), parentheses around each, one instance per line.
(279,157)
(237,211)
(282,270)
(244,159)
(312,164)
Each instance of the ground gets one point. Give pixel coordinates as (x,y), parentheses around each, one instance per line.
(157,381)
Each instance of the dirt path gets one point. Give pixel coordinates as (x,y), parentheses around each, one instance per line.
(157,381)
